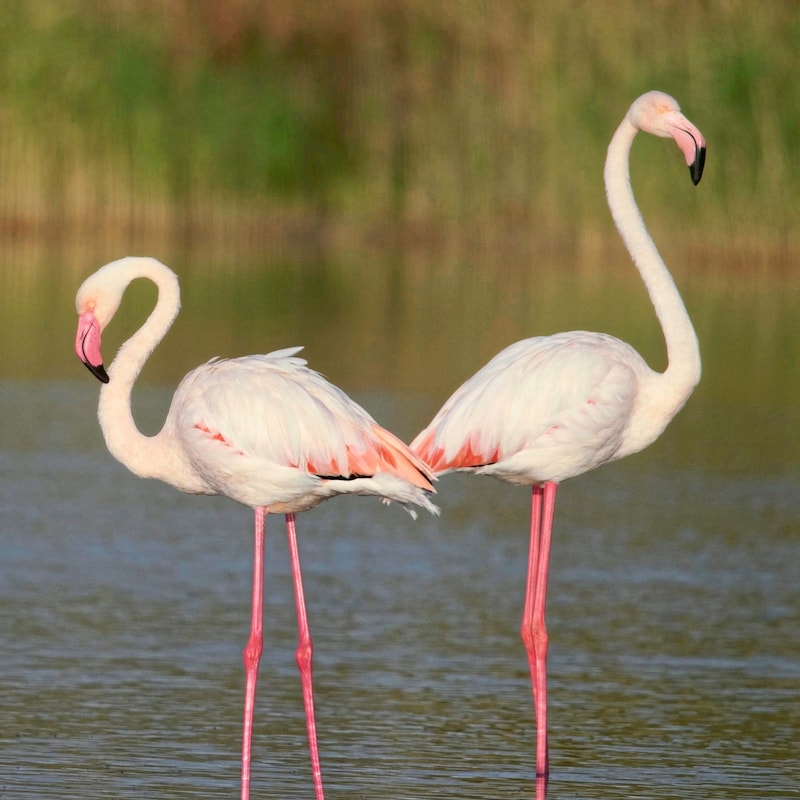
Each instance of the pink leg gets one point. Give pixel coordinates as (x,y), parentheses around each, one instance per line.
(253,648)
(534,630)
(304,653)
(533,560)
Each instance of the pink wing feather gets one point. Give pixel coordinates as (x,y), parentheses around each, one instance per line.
(291,417)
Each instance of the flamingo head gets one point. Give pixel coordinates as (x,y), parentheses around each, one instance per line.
(659,114)
(96,302)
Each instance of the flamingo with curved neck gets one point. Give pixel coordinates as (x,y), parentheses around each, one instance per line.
(264,430)
(549,408)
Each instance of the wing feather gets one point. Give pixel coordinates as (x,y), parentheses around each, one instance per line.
(273,427)
(542,409)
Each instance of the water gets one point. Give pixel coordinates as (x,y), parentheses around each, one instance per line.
(673,612)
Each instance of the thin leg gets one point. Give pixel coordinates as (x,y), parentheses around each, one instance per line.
(304,653)
(533,560)
(253,648)
(531,636)
(534,630)
(541,787)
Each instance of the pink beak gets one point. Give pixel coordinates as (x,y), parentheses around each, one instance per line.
(87,345)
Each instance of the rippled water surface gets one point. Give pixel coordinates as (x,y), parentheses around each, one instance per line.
(674,613)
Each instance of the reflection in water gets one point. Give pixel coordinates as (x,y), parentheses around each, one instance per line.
(448,314)
(674,608)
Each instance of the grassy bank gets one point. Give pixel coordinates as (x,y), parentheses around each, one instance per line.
(365,119)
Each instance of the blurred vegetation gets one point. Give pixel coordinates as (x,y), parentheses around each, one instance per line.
(433,119)
(405,187)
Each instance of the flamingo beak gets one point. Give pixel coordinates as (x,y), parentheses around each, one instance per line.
(696,167)
(98,371)
(691,142)
(87,345)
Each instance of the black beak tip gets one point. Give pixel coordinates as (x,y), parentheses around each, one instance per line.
(697,166)
(98,371)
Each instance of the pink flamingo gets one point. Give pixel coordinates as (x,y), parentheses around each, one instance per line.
(263,430)
(549,408)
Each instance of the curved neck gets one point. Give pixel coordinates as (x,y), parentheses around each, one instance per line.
(683,351)
(126,443)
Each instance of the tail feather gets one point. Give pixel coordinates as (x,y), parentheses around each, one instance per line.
(398,459)
(467,457)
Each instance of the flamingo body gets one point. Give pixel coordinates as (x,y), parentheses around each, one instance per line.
(313,442)
(264,430)
(545,408)
(550,408)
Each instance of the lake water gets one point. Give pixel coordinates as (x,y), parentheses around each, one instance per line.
(674,602)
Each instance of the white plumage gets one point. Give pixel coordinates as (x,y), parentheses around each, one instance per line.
(545,408)
(550,408)
(264,430)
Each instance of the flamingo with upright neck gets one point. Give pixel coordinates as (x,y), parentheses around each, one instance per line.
(549,408)
(264,430)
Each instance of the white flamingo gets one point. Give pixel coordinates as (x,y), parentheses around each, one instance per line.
(264,430)
(549,408)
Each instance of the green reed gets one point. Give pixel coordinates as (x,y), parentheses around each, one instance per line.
(443,120)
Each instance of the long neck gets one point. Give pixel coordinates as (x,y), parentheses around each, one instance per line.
(683,352)
(126,443)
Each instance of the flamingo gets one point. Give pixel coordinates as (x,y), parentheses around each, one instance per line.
(264,430)
(552,407)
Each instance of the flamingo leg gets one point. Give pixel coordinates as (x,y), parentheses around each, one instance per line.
(253,648)
(534,630)
(303,655)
